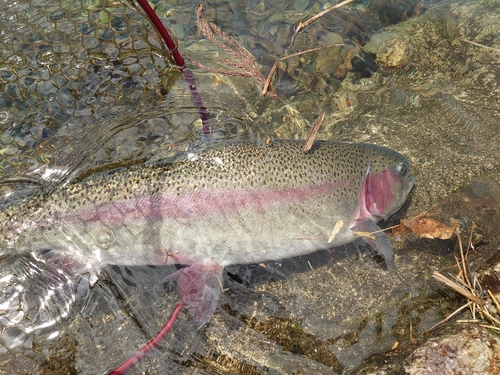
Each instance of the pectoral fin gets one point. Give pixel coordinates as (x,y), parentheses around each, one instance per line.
(378,240)
(199,287)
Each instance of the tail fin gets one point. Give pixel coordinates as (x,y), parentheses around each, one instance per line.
(34,297)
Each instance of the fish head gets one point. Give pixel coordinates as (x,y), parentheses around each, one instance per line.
(387,184)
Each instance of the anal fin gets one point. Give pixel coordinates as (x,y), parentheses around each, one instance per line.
(199,287)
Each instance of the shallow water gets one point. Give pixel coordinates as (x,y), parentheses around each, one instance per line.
(86,86)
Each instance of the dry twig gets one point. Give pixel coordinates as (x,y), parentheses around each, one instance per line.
(497,305)
(450,316)
(314,131)
(470,290)
(267,83)
(457,288)
(481,45)
(303,25)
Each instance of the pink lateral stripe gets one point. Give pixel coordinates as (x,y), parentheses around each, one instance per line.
(194,204)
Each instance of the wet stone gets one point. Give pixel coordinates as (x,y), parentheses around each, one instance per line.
(84,29)
(45,89)
(91,43)
(54,37)
(59,79)
(301,5)
(134,69)
(4,116)
(23,47)
(61,48)
(5,101)
(129,60)
(66,26)
(118,23)
(41,74)
(104,33)
(152,76)
(64,97)
(38,18)
(469,351)
(391,50)
(23,71)
(450,26)
(34,37)
(12,89)
(111,51)
(57,16)
(82,109)
(6,74)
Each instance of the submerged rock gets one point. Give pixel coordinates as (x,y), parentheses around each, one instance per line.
(471,350)
(392,50)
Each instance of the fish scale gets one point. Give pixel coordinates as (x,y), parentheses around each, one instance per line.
(232,204)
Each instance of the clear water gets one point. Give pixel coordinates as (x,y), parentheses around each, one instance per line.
(87,86)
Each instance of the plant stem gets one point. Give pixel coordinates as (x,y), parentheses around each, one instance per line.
(179,61)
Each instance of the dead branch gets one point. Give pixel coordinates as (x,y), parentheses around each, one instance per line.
(303,25)
(450,316)
(457,288)
(481,45)
(312,136)
(470,290)
(267,83)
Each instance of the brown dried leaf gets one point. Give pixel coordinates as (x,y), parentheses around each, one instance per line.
(400,230)
(427,227)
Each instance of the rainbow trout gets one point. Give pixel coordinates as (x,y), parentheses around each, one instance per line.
(234,204)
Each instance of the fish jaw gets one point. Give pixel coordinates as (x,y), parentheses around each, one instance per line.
(383,193)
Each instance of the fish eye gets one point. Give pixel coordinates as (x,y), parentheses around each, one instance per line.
(402,169)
